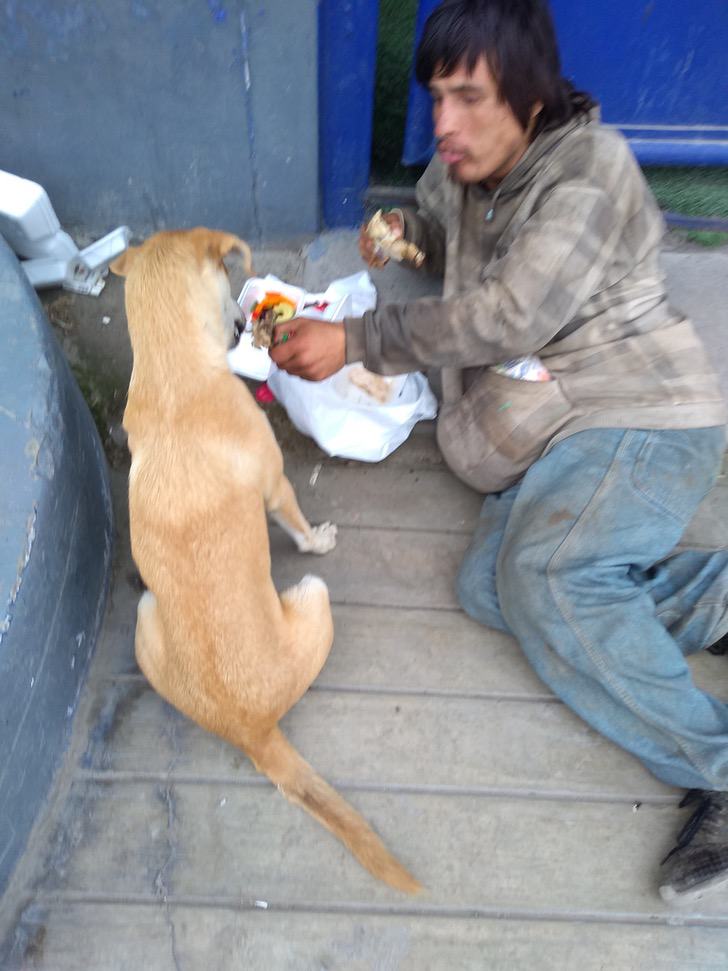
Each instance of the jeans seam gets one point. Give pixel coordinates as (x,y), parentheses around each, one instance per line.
(561,604)
(655,503)
(698,605)
(645,493)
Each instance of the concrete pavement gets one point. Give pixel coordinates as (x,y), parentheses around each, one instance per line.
(538,841)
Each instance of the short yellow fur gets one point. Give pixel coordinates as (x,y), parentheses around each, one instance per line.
(213,635)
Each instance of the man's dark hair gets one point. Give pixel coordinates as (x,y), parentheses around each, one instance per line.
(518,40)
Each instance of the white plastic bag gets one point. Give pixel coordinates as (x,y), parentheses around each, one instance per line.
(345,421)
(338,413)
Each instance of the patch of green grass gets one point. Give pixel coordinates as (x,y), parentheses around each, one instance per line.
(707,238)
(99,399)
(690,191)
(394,62)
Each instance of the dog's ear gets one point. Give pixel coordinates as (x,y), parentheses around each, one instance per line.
(224,247)
(122,264)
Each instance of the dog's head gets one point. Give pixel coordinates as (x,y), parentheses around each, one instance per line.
(205,253)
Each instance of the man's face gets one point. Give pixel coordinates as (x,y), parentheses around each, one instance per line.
(478,136)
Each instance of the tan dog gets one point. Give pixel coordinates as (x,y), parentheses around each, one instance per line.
(213,636)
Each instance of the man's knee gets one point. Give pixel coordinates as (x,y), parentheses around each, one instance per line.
(477,595)
(520,577)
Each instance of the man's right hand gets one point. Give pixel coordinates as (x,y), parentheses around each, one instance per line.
(367,246)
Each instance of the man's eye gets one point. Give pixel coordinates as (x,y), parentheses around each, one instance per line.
(471,99)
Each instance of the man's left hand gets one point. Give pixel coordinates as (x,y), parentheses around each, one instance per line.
(309,348)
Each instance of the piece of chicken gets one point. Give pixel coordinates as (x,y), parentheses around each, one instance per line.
(391,245)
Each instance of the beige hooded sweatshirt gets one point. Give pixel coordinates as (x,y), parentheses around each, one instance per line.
(560,261)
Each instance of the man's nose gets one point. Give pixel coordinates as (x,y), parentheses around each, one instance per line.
(443,120)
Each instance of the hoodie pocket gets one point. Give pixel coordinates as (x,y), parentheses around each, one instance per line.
(499,428)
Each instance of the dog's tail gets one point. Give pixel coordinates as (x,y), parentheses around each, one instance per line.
(278,759)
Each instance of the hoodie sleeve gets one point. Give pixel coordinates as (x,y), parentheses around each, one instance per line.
(555,263)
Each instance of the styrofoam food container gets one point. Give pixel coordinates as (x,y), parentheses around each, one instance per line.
(254,362)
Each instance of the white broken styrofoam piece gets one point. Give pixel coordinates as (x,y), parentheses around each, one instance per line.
(26,216)
(98,255)
(57,246)
(50,257)
(85,272)
(48,272)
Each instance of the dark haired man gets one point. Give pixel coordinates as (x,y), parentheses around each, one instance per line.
(548,239)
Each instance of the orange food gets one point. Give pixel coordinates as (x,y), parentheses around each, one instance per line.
(283,308)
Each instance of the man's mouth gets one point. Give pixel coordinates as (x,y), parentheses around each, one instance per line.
(450,155)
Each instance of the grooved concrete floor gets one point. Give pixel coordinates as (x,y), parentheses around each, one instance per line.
(538,841)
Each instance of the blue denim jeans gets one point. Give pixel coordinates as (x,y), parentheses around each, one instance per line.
(577,562)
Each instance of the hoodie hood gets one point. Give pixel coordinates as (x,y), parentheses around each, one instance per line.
(536,157)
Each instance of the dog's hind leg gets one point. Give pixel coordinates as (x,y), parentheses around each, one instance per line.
(309,632)
(283,506)
(169,674)
(149,641)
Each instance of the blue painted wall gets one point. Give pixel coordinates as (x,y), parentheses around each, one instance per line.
(164,113)
(347,69)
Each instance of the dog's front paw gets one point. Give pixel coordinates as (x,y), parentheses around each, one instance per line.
(321,540)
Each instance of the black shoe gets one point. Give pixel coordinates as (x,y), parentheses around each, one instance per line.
(720,646)
(699,862)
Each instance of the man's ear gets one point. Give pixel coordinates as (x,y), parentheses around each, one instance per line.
(122,264)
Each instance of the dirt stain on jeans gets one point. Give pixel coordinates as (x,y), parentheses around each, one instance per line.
(561,516)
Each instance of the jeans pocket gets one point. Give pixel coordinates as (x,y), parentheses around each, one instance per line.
(674,470)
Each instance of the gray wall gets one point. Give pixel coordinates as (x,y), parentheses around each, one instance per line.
(164,113)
